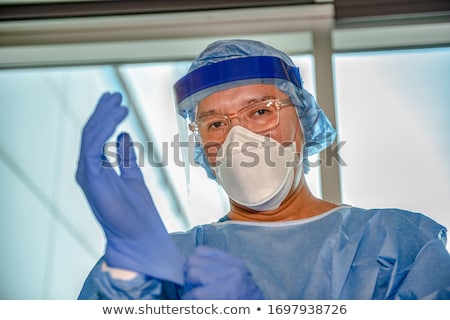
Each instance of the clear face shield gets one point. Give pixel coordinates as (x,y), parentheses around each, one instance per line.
(231,63)
(222,75)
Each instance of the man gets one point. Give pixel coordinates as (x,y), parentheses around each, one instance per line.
(256,125)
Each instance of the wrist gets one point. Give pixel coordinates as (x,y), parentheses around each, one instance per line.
(119,273)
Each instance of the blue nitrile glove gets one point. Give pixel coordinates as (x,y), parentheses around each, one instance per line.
(216,275)
(136,238)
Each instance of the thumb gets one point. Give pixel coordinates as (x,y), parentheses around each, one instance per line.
(128,165)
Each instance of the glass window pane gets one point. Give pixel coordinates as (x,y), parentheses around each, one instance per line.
(393,110)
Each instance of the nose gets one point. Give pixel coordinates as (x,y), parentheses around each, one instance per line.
(233,120)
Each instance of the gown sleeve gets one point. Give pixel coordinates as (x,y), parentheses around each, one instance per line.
(99,285)
(429,275)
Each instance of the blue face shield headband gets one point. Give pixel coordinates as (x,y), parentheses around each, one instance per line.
(240,71)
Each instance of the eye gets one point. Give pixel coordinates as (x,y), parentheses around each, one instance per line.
(215,125)
(260,112)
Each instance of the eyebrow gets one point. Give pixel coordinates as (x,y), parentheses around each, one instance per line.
(209,112)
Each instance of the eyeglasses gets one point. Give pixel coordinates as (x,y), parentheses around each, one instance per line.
(257,117)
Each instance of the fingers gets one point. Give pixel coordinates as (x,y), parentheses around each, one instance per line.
(208,265)
(204,252)
(100,126)
(214,274)
(127,164)
(102,123)
(104,105)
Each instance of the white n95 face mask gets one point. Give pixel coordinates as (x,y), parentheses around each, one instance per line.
(255,171)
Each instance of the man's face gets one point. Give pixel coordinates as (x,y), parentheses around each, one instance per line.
(232,100)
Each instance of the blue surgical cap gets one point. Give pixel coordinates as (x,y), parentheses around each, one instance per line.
(227,64)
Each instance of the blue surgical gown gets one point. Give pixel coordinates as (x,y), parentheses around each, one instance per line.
(345,253)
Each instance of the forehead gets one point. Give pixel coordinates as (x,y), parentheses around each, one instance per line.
(230,99)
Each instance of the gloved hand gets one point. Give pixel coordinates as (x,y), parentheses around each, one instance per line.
(136,238)
(217,275)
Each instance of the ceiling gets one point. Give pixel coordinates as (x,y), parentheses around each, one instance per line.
(344,9)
